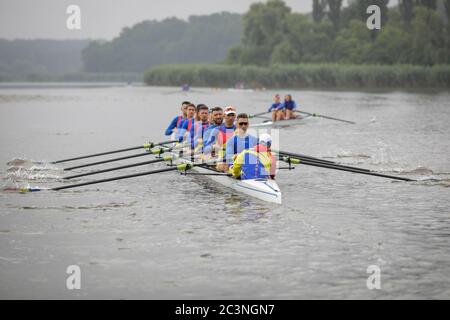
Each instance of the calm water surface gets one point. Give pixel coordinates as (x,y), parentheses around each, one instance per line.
(167,236)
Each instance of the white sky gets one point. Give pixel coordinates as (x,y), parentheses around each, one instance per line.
(105,18)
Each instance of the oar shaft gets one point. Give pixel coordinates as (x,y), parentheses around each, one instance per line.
(326,117)
(99,154)
(350,169)
(290,154)
(119,168)
(257,115)
(107,161)
(179,167)
(144,146)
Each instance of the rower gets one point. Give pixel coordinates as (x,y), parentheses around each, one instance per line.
(277,109)
(185,127)
(216,120)
(220,135)
(239,142)
(289,107)
(256,163)
(177,120)
(198,130)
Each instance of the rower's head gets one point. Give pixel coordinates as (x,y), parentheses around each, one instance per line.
(242,122)
(184,105)
(288,97)
(190,111)
(230,115)
(277,98)
(202,112)
(265,140)
(217,116)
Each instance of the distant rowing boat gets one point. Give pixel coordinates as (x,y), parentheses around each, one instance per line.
(278,124)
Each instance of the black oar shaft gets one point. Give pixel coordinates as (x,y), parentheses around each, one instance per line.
(108,161)
(116,168)
(144,146)
(99,154)
(290,154)
(350,169)
(120,178)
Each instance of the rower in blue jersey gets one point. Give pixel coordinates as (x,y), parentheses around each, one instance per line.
(177,120)
(216,120)
(239,142)
(185,126)
(219,136)
(200,126)
(256,163)
(277,109)
(289,107)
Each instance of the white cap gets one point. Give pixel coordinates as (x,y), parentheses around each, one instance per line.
(265,139)
(229,110)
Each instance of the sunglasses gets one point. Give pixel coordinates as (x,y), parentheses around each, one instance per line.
(243,123)
(231,115)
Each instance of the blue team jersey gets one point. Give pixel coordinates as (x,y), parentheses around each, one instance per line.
(289,105)
(275,106)
(237,144)
(173,125)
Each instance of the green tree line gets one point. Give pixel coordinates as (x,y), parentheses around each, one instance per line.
(414,32)
(201,39)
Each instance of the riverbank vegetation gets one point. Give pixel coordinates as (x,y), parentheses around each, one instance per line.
(332,47)
(303,76)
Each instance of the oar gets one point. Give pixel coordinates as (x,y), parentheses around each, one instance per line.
(325,117)
(144,146)
(155,151)
(180,167)
(342,168)
(257,115)
(301,156)
(166,158)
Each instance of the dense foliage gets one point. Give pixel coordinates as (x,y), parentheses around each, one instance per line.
(302,76)
(414,32)
(201,39)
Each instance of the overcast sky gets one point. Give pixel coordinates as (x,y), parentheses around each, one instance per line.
(105,18)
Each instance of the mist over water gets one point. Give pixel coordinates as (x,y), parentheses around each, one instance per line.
(171,236)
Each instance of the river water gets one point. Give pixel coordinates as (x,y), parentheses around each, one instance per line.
(170,236)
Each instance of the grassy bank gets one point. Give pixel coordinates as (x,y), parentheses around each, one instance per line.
(72,77)
(302,76)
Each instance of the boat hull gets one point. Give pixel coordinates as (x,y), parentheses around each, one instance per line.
(263,189)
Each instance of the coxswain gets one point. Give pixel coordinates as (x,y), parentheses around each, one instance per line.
(256,163)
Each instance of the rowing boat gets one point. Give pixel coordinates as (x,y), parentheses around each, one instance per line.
(278,124)
(262,189)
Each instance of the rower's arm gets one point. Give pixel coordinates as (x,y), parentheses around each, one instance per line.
(237,165)
(171,127)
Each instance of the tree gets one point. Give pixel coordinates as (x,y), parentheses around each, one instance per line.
(264,23)
(334,13)
(447,9)
(318,10)
(430,4)
(406,10)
